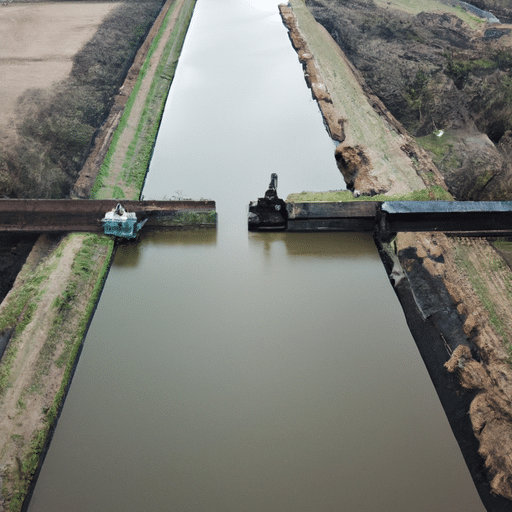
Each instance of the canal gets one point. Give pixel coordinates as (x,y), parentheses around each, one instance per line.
(228,371)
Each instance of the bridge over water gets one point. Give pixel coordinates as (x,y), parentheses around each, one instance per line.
(471,218)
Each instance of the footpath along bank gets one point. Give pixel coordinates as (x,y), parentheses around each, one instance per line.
(456,292)
(44,318)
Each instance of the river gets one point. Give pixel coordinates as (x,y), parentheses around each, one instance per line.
(228,371)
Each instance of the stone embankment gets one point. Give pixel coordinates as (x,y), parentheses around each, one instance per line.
(456,292)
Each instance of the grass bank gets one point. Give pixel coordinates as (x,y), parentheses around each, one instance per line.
(393,163)
(123,171)
(48,311)
(435,193)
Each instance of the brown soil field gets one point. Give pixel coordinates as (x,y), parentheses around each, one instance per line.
(38,42)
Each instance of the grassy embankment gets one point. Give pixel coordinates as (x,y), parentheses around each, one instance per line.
(363,125)
(51,304)
(49,324)
(434,193)
(122,173)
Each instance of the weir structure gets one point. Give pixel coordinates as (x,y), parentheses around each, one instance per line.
(385,219)
(473,218)
(86,215)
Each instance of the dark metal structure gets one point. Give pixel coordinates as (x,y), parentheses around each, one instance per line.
(385,219)
(268,212)
(353,216)
(471,218)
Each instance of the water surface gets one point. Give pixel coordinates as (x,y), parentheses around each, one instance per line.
(227,371)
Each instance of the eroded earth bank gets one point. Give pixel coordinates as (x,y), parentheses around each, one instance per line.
(416,96)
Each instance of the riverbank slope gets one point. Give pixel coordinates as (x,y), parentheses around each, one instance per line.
(447,286)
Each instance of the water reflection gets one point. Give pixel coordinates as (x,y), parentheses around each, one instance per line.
(315,245)
(221,380)
(128,253)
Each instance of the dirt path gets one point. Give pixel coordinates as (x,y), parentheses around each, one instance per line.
(48,306)
(129,132)
(27,419)
(102,142)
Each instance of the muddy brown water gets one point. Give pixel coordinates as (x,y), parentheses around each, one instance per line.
(228,371)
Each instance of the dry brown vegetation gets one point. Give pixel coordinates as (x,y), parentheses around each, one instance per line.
(55,126)
(434,71)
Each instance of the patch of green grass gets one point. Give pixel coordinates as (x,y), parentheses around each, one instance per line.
(118,193)
(84,268)
(18,313)
(435,193)
(438,145)
(459,70)
(27,466)
(191,219)
(502,244)
(441,147)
